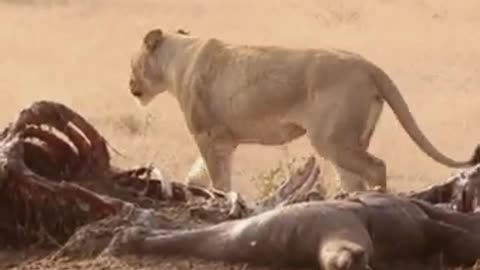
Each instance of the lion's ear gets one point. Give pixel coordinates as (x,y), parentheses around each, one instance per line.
(152,39)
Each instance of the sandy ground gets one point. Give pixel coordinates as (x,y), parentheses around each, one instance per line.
(77,52)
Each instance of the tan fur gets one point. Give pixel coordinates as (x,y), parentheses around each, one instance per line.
(341,254)
(269,95)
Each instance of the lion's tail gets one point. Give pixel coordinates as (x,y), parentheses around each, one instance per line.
(392,96)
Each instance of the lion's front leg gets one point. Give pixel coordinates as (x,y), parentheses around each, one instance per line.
(198,174)
(216,156)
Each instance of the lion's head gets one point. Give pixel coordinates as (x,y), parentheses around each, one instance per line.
(147,77)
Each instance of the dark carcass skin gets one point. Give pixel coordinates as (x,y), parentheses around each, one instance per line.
(369,231)
(406,229)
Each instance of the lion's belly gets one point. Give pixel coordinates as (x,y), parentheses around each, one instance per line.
(266,132)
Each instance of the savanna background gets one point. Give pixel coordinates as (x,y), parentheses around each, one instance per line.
(78,53)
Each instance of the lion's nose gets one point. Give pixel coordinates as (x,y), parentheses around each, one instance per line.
(133,89)
(136,93)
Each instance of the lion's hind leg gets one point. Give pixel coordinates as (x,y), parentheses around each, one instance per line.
(349,181)
(343,138)
(354,163)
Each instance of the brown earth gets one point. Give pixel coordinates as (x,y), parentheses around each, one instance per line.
(77,52)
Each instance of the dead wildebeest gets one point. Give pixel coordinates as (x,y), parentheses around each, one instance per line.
(371,230)
(407,229)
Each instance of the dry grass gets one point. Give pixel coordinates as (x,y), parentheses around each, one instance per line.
(77,52)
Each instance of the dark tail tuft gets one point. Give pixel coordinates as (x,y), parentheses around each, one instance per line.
(476,156)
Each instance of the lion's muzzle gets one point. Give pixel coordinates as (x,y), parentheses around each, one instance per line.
(137,94)
(134,89)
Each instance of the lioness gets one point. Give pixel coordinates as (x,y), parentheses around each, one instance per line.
(371,230)
(239,94)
